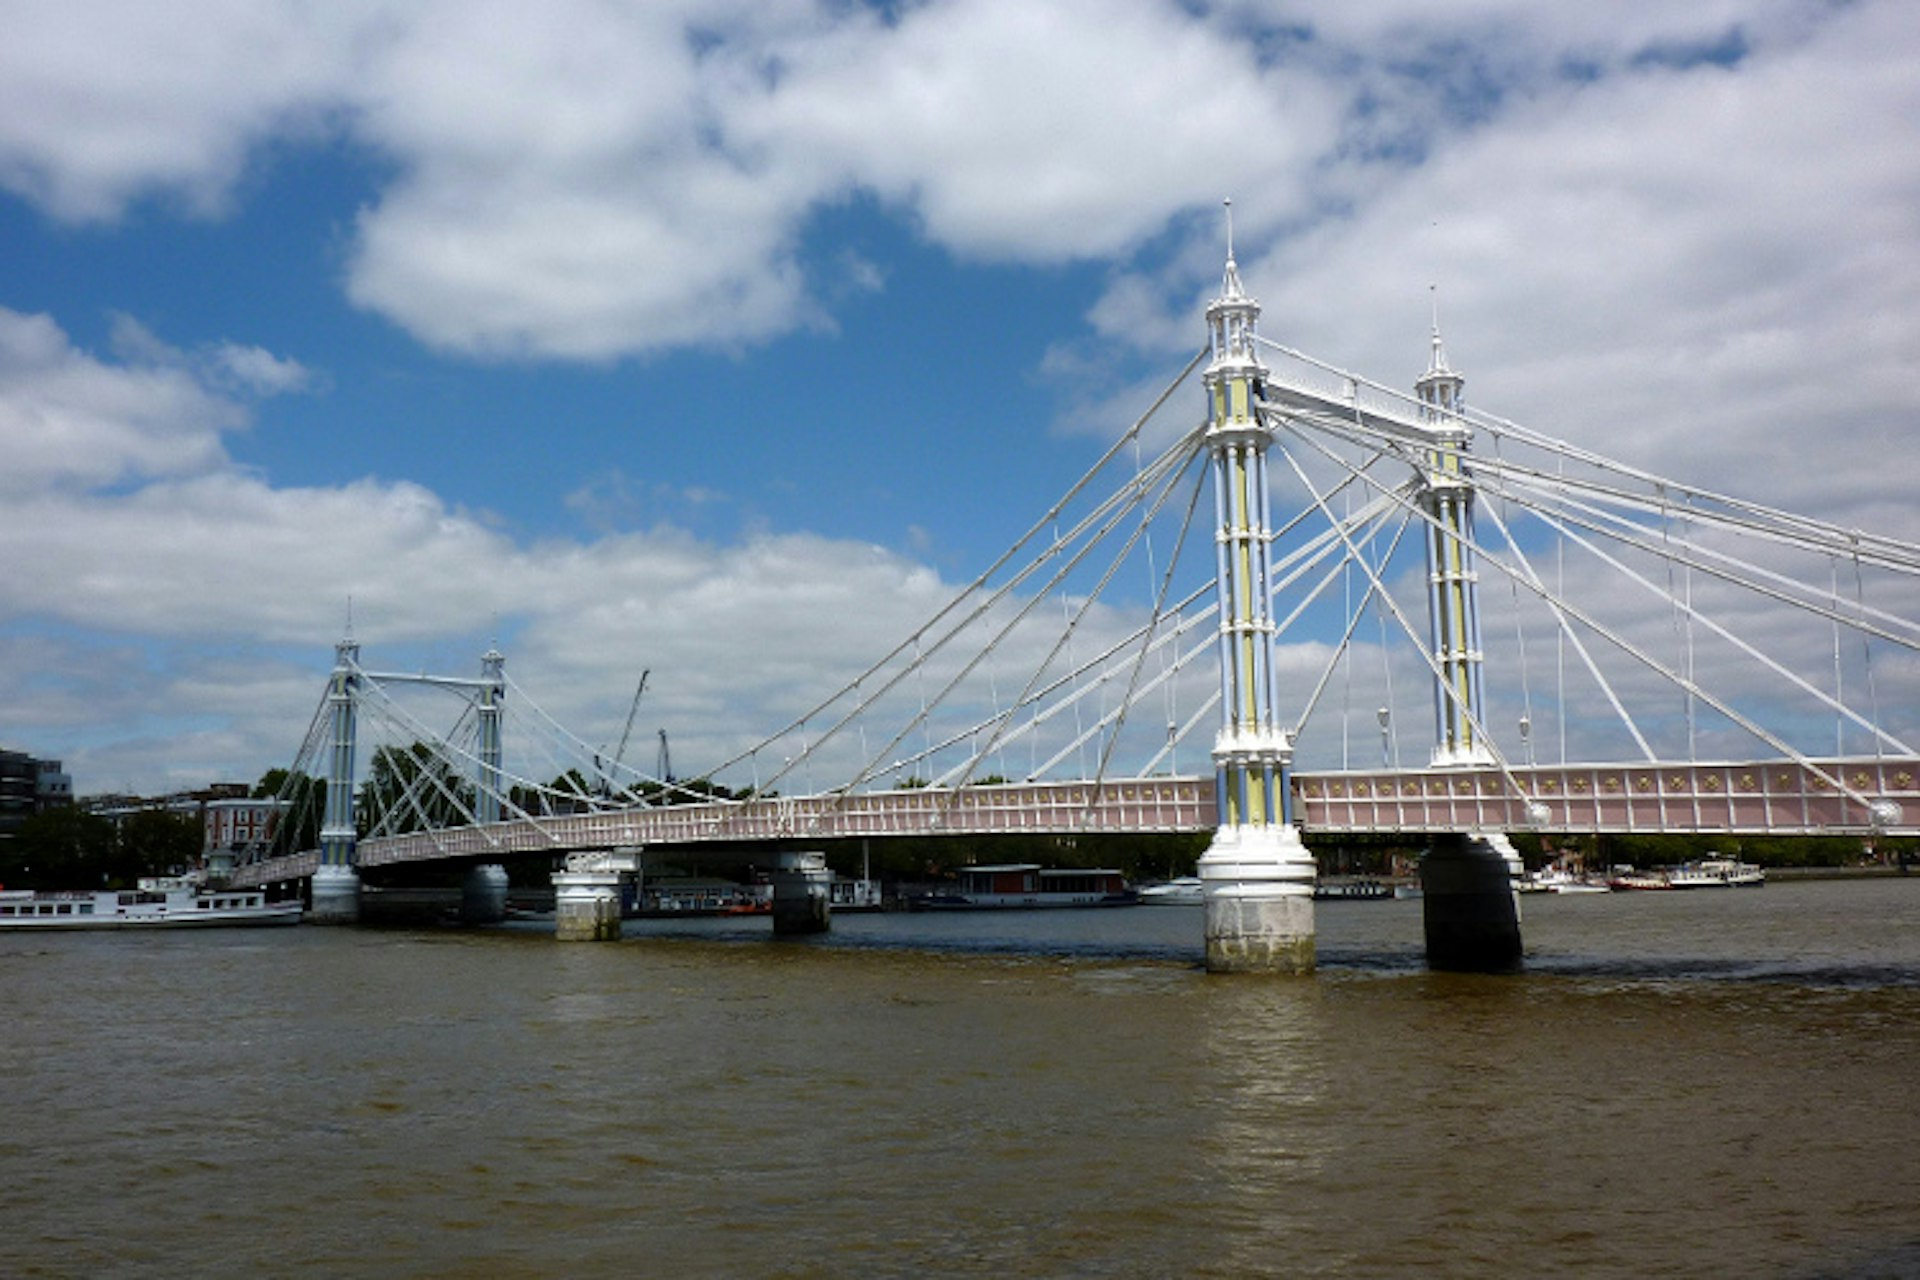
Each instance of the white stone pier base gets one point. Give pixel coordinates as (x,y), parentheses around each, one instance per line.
(1258,883)
(801,884)
(336,896)
(1472,903)
(586,906)
(483,894)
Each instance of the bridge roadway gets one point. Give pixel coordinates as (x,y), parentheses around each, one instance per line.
(1753,798)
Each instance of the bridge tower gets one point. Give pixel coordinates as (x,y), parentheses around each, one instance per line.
(483,893)
(1453,609)
(336,885)
(1472,906)
(1258,876)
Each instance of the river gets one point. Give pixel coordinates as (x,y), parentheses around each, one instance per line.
(1722,1082)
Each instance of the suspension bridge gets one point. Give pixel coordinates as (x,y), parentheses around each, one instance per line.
(1281,586)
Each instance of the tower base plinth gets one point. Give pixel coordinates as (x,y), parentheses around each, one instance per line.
(586,906)
(336,896)
(1258,884)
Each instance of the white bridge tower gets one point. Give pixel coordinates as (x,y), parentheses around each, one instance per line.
(1258,876)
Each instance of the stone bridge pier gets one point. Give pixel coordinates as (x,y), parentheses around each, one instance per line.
(586,896)
(1471,903)
(801,886)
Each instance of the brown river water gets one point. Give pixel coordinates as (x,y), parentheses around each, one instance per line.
(1717,1083)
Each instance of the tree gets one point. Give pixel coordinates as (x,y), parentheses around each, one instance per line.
(298,826)
(411,789)
(62,849)
(154,842)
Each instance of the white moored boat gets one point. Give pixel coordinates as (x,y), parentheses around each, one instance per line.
(169,902)
(1181,891)
(1559,880)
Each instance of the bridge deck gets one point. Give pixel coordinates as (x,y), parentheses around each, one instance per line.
(1756,798)
(1770,797)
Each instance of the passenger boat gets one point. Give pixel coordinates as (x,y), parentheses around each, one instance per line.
(1708,873)
(160,902)
(1742,875)
(1026,884)
(1716,873)
(1181,891)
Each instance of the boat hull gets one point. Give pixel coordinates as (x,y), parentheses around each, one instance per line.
(24,911)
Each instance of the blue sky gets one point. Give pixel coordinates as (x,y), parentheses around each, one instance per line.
(649,335)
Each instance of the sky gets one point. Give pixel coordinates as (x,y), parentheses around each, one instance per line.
(723,339)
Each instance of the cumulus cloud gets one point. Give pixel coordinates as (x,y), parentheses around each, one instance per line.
(70,419)
(218,583)
(599,179)
(1685,263)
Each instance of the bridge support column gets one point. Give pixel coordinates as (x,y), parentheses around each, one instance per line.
(336,885)
(1258,886)
(586,906)
(801,884)
(483,894)
(336,895)
(1472,906)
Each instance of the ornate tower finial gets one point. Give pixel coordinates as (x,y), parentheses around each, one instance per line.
(1439,388)
(1438,362)
(1230,289)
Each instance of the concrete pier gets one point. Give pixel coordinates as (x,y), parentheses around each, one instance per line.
(801,885)
(1258,885)
(1472,904)
(483,894)
(336,896)
(586,906)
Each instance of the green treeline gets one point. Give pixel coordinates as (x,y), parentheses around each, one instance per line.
(71,849)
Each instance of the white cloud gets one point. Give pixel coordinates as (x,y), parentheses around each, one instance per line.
(195,599)
(1691,268)
(596,179)
(70,419)
(106,103)
(258,371)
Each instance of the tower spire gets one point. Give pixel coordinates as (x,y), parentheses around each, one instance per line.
(1230,289)
(1438,362)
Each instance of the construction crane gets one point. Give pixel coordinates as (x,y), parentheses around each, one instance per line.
(626,733)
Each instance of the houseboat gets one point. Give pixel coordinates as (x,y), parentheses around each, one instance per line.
(1026,884)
